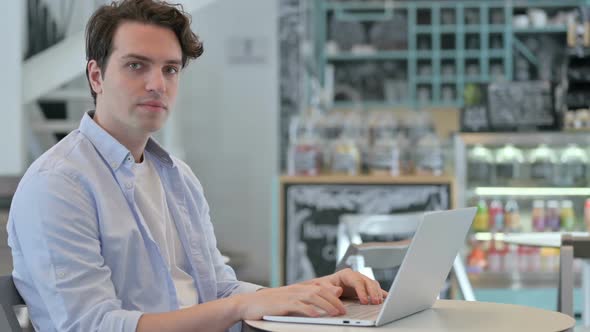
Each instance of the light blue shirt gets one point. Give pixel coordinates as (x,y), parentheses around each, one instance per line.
(84,259)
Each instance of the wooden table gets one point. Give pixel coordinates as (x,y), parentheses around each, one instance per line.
(448,315)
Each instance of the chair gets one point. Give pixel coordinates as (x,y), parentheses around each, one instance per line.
(368,257)
(571,247)
(391,229)
(12,319)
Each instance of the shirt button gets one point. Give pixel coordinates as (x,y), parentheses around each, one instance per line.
(129,185)
(129,159)
(114,165)
(61,274)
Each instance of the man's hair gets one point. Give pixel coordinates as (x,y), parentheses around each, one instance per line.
(101,28)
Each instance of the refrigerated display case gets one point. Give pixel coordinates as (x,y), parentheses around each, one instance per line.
(521,182)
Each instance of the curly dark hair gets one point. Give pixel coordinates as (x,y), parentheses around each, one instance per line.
(101,28)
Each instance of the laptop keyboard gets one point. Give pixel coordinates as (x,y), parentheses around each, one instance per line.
(359,311)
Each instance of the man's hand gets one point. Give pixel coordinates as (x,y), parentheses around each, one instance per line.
(298,299)
(310,298)
(354,285)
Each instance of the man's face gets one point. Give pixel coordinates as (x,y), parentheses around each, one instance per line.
(139,85)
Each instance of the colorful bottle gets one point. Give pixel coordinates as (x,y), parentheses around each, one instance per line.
(552,222)
(496,221)
(587,214)
(512,217)
(476,262)
(567,215)
(494,258)
(480,224)
(538,216)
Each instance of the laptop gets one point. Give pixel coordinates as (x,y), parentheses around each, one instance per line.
(420,277)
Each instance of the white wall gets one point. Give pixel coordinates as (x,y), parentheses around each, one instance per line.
(228,116)
(12,156)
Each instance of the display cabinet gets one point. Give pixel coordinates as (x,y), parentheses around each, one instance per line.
(521,182)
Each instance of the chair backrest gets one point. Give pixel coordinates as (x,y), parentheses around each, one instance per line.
(375,255)
(379,260)
(384,228)
(9,298)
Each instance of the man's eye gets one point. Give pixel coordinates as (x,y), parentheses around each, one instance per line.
(172,70)
(135,65)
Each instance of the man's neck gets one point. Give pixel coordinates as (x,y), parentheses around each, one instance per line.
(133,141)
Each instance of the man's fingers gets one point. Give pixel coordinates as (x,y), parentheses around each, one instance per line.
(361,291)
(302,309)
(374,291)
(327,304)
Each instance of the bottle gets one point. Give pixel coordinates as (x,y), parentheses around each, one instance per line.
(523,259)
(567,215)
(480,223)
(480,162)
(476,261)
(538,216)
(509,160)
(552,222)
(512,217)
(587,214)
(496,216)
(494,258)
(573,161)
(542,161)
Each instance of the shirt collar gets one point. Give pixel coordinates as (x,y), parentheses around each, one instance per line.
(112,150)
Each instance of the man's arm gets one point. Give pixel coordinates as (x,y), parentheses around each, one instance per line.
(219,315)
(58,266)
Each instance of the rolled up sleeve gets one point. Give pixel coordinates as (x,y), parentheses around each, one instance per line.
(55,229)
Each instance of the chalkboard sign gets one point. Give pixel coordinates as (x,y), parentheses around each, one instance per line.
(312,213)
(521,105)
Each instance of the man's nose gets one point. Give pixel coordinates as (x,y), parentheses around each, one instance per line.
(156,82)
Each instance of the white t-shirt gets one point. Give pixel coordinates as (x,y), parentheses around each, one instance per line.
(151,201)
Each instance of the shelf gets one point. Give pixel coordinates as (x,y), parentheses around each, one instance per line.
(476,54)
(546,29)
(364,179)
(441,29)
(371,104)
(377,55)
(493,28)
(551,238)
(525,139)
(531,191)
(518,280)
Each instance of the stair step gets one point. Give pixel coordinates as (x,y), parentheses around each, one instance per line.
(55,126)
(68,95)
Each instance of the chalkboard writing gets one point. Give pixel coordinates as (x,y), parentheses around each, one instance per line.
(312,213)
(521,105)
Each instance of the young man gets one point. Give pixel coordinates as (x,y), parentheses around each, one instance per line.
(109,232)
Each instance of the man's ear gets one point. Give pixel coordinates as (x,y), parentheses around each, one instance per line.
(94,76)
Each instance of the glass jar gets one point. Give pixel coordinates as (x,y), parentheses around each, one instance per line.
(508,166)
(542,165)
(572,166)
(480,163)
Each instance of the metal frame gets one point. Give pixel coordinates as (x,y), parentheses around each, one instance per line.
(346,11)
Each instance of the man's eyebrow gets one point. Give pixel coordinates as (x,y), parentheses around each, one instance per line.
(146,59)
